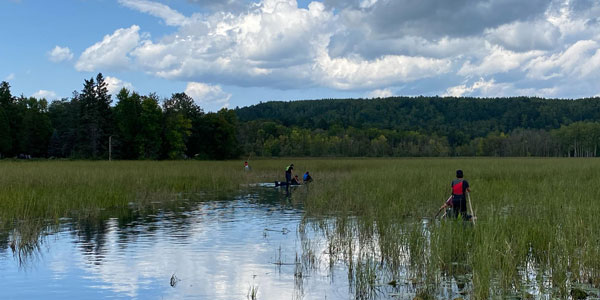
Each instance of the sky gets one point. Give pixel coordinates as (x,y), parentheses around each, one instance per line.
(229,53)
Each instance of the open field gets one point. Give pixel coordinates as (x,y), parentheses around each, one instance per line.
(536,233)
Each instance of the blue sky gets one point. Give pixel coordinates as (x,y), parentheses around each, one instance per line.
(227,53)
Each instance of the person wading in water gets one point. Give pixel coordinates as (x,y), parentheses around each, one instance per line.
(288,177)
(460,188)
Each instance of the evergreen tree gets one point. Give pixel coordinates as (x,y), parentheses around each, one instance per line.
(5,132)
(37,127)
(104,115)
(64,116)
(149,138)
(127,124)
(5,138)
(88,133)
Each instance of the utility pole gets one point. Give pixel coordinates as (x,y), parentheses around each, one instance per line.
(110,148)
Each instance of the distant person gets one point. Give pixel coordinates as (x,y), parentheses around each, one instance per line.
(288,177)
(460,188)
(289,173)
(246,166)
(296,180)
(306,178)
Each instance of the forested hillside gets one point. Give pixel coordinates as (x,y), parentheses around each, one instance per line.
(424,126)
(93,125)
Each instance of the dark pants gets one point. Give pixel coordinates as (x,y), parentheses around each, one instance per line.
(459,206)
(288,180)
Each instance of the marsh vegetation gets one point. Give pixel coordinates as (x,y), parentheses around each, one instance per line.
(536,233)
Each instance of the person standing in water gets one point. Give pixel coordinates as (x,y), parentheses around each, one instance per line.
(460,188)
(288,177)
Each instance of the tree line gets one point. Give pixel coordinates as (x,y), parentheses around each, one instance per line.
(268,139)
(89,125)
(423,126)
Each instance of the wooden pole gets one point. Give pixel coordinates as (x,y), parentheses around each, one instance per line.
(471,208)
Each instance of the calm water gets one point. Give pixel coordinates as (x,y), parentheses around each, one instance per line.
(203,249)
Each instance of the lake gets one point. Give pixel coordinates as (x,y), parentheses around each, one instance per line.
(208,249)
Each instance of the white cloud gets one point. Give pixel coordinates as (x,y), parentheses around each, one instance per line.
(275,43)
(112,52)
(116,84)
(562,16)
(491,88)
(367,3)
(60,54)
(10,77)
(498,60)
(525,36)
(580,60)
(209,97)
(44,94)
(347,73)
(170,16)
(352,45)
(380,93)
(465,90)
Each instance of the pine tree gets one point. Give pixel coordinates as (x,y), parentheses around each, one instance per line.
(5,134)
(88,133)
(105,121)
(149,137)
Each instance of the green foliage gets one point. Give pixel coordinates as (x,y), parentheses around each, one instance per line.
(536,218)
(537,223)
(579,139)
(150,130)
(139,128)
(459,119)
(215,134)
(421,126)
(37,128)
(142,127)
(5,137)
(127,114)
(64,116)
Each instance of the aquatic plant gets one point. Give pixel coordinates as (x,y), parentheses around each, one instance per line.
(537,218)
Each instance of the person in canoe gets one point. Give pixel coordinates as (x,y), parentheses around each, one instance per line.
(307,178)
(295,181)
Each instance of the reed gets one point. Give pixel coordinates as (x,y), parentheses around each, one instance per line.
(537,218)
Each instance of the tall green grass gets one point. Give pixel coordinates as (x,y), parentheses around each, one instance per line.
(37,194)
(535,216)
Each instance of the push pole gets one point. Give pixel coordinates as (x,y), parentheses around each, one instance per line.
(441,208)
(471,208)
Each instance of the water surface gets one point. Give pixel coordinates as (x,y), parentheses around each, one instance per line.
(207,248)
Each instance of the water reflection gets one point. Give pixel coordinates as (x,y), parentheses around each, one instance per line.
(217,248)
(257,244)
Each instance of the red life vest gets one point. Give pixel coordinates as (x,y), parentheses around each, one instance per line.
(457,189)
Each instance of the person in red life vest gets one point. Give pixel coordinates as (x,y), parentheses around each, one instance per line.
(460,188)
